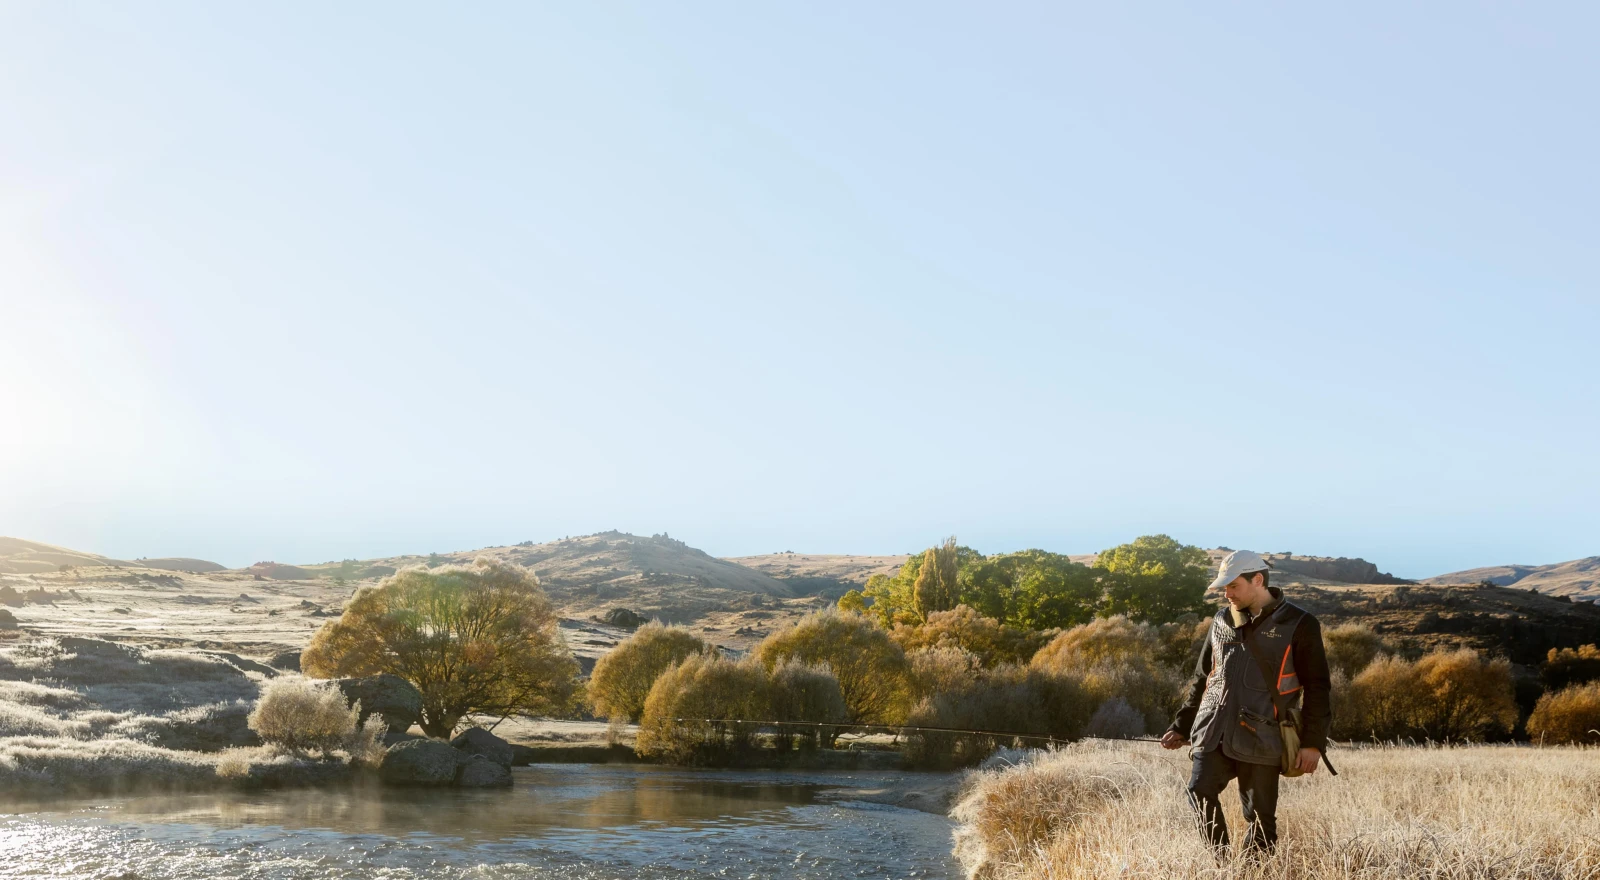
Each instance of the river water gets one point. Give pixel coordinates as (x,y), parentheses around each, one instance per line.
(561,822)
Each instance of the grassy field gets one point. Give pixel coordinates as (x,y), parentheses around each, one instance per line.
(1101,810)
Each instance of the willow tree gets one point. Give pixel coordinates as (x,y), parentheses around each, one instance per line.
(937,587)
(478,639)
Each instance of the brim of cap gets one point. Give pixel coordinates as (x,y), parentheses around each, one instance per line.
(1225,577)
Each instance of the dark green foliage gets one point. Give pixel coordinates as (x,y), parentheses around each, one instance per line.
(1154,579)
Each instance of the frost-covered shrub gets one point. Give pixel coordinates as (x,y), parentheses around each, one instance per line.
(303,715)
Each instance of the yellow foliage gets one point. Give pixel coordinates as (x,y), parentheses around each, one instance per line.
(1351,647)
(479,638)
(963,627)
(1570,715)
(1447,695)
(704,691)
(871,669)
(623,677)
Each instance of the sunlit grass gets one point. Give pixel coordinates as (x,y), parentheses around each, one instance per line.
(1101,810)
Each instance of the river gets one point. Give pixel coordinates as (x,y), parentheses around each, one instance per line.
(560,822)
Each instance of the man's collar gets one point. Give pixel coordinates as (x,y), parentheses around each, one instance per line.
(1244,618)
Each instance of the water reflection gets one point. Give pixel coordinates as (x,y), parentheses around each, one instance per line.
(560,821)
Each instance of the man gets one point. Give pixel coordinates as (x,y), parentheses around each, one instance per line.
(1261,657)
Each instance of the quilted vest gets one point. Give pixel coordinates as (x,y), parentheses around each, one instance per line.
(1240,709)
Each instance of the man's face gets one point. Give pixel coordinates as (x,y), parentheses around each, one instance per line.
(1244,591)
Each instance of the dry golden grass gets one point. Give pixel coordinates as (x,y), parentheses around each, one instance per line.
(1100,810)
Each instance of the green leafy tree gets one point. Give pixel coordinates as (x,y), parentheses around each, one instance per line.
(1154,579)
(1032,589)
(893,599)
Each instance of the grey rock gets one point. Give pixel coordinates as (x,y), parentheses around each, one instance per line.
(7,619)
(391,696)
(480,772)
(288,661)
(478,741)
(420,762)
(522,756)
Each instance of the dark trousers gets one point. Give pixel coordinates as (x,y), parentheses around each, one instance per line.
(1258,791)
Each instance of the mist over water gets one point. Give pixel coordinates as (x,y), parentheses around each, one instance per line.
(565,822)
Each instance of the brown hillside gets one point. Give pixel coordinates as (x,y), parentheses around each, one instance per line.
(180,563)
(1579,578)
(27,557)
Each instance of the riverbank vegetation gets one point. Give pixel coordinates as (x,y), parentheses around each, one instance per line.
(1100,810)
(478,639)
(1039,648)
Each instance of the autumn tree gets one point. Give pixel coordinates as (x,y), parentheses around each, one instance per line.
(871,669)
(937,587)
(479,639)
(623,677)
(1570,715)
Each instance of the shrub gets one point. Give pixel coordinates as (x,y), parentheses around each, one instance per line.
(472,639)
(1116,719)
(1181,641)
(302,715)
(622,678)
(991,709)
(1117,658)
(1568,666)
(1109,639)
(943,670)
(704,690)
(811,696)
(1449,695)
(1466,697)
(871,669)
(1570,715)
(1351,647)
(962,627)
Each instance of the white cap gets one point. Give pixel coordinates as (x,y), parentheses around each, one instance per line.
(1237,563)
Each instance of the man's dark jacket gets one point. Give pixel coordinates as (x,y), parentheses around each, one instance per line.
(1238,702)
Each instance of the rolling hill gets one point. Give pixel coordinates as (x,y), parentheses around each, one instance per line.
(1578,578)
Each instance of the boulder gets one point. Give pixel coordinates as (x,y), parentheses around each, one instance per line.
(391,696)
(420,762)
(480,772)
(522,756)
(288,661)
(7,619)
(478,741)
(625,618)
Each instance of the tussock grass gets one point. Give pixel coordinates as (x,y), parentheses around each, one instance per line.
(1101,810)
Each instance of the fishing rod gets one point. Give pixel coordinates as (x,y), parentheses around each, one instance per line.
(897,730)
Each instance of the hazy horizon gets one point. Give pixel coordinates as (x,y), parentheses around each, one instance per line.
(306,283)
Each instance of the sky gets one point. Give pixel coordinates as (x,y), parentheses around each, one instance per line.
(308,281)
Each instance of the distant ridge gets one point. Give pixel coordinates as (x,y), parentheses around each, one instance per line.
(1577,578)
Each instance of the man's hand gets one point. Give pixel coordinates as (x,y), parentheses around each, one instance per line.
(1175,740)
(1308,759)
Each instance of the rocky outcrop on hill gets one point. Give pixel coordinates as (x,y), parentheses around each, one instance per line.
(1327,568)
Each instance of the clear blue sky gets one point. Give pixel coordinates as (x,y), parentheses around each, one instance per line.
(304,281)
